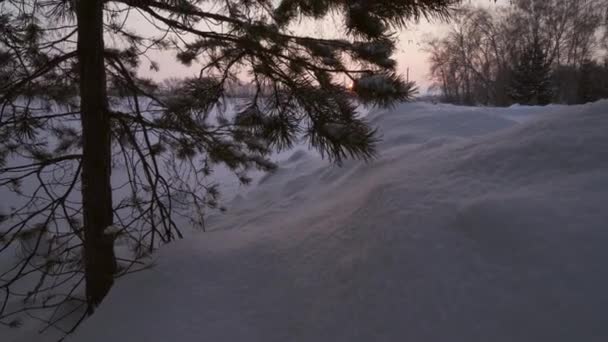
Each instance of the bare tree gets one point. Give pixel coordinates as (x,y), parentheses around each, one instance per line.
(471,62)
(474,63)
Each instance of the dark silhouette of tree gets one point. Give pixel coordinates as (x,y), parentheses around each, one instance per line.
(74,106)
(531,80)
(593,81)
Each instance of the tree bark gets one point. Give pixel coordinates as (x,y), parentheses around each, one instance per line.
(100,263)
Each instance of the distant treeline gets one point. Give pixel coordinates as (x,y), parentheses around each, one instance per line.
(531,52)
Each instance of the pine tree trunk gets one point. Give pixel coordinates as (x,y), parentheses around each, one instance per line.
(100,264)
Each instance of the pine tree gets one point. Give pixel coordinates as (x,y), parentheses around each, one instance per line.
(593,81)
(531,78)
(61,133)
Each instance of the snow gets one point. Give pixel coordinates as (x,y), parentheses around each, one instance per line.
(474,224)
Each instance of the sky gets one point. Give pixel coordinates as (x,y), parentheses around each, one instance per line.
(411,56)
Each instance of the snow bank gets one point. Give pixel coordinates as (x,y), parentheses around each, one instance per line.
(474,224)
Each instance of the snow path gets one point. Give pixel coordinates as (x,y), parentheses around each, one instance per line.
(474,224)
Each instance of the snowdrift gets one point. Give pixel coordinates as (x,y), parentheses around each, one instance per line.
(474,224)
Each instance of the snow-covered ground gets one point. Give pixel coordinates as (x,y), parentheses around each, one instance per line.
(474,224)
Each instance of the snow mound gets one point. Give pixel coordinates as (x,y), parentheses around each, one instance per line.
(474,224)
